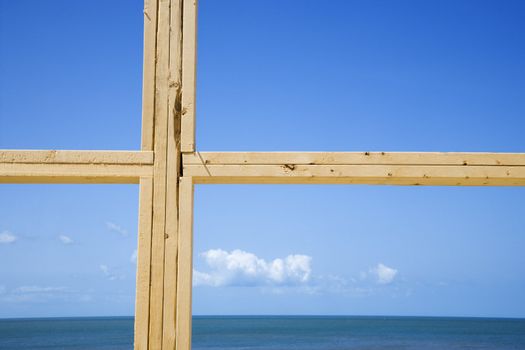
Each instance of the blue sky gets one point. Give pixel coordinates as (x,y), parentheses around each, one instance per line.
(273,75)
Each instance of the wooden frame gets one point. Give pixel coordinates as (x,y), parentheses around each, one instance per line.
(378,168)
(167,168)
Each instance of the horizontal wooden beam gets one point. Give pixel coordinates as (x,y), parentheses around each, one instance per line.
(88,167)
(76,157)
(73,173)
(358,174)
(450,169)
(354,158)
(435,169)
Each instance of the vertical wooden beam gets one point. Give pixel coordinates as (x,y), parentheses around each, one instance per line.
(162,81)
(148,82)
(145,239)
(185,264)
(189,62)
(173,172)
(162,114)
(143,264)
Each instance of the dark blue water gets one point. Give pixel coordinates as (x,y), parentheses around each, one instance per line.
(280,332)
(67,333)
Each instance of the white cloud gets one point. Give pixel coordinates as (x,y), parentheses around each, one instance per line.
(41,294)
(289,274)
(7,237)
(65,239)
(243,268)
(109,273)
(204,279)
(38,289)
(133,258)
(33,294)
(116,228)
(383,273)
(104,269)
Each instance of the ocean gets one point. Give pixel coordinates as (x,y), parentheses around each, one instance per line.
(276,332)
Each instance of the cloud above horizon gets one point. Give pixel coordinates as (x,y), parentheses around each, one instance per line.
(291,274)
(65,239)
(39,289)
(116,228)
(42,294)
(383,273)
(109,273)
(241,268)
(7,237)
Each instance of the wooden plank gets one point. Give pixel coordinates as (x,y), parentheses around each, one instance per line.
(76,157)
(359,174)
(354,158)
(73,173)
(143,264)
(173,172)
(185,264)
(162,76)
(148,80)
(189,62)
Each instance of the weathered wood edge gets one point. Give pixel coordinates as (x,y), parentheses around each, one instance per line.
(76,157)
(189,62)
(358,174)
(185,265)
(354,158)
(144,253)
(148,82)
(16,173)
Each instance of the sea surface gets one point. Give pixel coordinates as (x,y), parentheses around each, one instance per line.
(276,332)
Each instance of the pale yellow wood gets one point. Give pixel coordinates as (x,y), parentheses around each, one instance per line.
(143,264)
(76,157)
(162,76)
(148,81)
(359,174)
(173,172)
(148,143)
(185,264)
(354,158)
(170,261)
(189,59)
(73,173)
